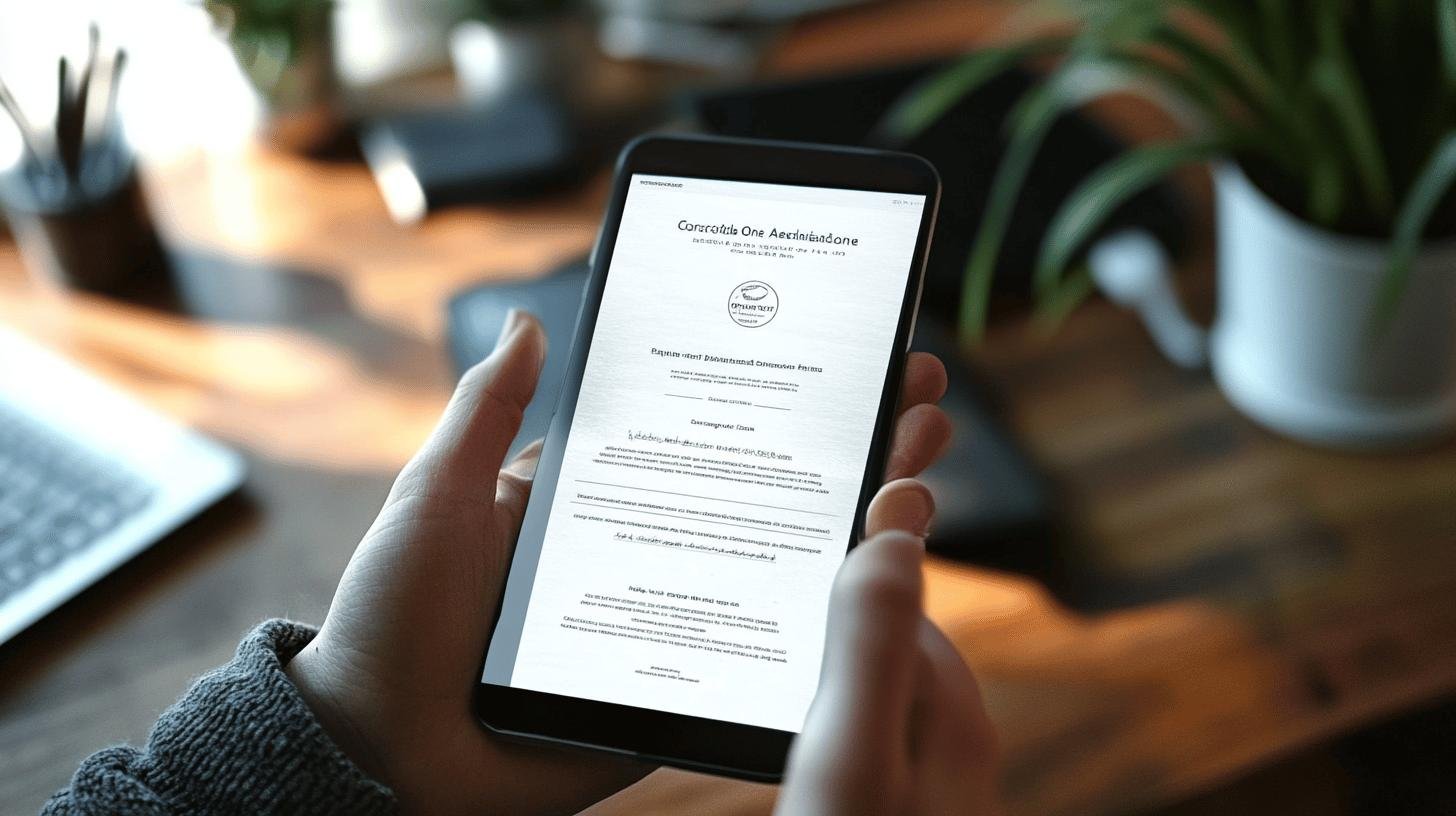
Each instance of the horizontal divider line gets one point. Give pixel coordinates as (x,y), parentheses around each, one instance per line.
(703,520)
(708,498)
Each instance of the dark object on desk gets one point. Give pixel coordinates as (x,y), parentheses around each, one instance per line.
(991,501)
(99,237)
(992,505)
(74,201)
(965,146)
(426,160)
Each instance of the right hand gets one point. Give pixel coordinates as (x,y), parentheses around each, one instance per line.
(897,725)
(390,673)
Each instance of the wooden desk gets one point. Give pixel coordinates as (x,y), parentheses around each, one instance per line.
(1287,594)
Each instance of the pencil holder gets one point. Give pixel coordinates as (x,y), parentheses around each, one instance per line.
(93,233)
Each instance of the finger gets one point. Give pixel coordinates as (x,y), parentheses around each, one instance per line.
(904,505)
(925,380)
(921,436)
(962,710)
(524,463)
(465,452)
(513,489)
(955,740)
(868,680)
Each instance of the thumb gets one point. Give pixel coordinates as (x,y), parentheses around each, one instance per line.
(463,457)
(870,656)
(853,752)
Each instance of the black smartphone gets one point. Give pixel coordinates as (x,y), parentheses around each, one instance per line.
(723,424)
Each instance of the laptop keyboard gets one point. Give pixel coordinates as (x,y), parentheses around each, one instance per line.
(56,499)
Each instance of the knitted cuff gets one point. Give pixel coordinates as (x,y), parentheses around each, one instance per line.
(241,740)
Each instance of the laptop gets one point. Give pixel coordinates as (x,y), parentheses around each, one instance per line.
(88,479)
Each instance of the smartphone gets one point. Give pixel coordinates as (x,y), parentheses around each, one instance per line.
(722,426)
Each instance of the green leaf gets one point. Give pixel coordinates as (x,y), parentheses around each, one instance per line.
(1278,40)
(1237,34)
(924,104)
(1067,295)
(1091,204)
(1120,21)
(1234,18)
(1242,80)
(1430,188)
(1446,29)
(1335,79)
(1187,90)
(1325,198)
(1213,69)
(1031,120)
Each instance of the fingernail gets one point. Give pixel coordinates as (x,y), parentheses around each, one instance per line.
(922,530)
(913,507)
(514,319)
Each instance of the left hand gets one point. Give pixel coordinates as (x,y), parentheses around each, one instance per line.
(391,673)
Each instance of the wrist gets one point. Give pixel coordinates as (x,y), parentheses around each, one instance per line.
(324,687)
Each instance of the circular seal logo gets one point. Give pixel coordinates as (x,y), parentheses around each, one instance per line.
(753,304)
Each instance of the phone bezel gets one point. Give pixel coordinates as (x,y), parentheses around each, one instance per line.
(698,743)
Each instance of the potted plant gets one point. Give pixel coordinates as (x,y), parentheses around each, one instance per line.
(286,50)
(1330,126)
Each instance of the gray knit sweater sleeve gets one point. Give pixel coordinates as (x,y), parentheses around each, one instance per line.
(240,741)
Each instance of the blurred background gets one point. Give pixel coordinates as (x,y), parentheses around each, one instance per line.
(1194,280)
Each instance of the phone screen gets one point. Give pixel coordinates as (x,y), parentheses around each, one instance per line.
(711,474)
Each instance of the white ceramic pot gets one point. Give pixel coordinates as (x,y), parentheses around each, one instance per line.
(1292,344)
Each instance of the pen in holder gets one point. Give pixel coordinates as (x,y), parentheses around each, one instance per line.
(74,201)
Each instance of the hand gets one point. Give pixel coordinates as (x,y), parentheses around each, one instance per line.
(391,673)
(897,725)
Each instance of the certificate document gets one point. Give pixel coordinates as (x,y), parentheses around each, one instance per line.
(714,461)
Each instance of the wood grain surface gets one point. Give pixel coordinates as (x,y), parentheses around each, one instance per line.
(1242,595)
